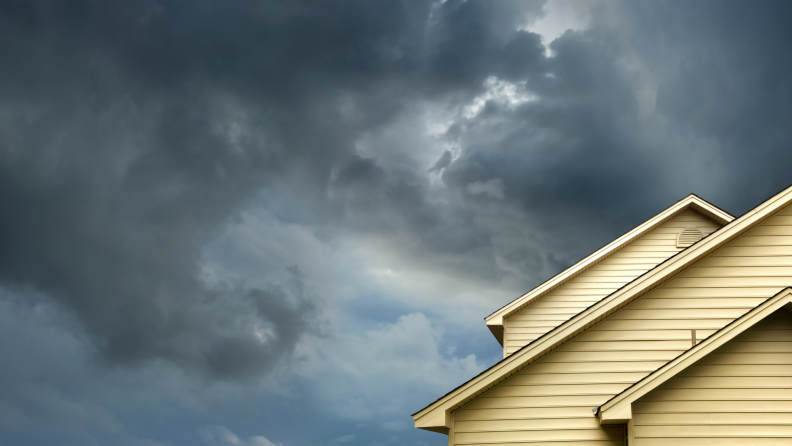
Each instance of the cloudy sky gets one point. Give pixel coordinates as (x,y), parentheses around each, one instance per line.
(281,223)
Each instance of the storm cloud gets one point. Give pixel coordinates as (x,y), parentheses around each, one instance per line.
(132,132)
(269,194)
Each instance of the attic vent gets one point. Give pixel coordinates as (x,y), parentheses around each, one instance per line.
(688,236)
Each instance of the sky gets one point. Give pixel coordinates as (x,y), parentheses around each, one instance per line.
(281,223)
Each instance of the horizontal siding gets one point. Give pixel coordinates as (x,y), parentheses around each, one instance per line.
(587,422)
(700,323)
(547,435)
(710,406)
(739,394)
(716,418)
(600,280)
(595,367)
(546,443)
(692,303)
(572,400)
(574,378)
(627,346)
(715,441)
(641,337)
(506,391)
(522,413)
(716,292)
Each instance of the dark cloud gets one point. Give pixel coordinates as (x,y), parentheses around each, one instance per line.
(566,155)
(107,210)
(119,164)
(722,76)
(442,162)
(470,41)
(133,133)
(279,316)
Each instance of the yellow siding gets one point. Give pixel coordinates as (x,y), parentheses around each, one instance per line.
(600,280)
(738,395)
(551,400)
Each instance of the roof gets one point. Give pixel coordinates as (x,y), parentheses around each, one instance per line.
(436,415)
(692,201)
(618,409)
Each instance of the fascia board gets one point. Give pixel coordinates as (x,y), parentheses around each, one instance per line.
(712,211)
(691,201)
(436,422)
(496,327)
(618,410)
(600,310)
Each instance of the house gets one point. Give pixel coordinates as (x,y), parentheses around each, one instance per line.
(679,332)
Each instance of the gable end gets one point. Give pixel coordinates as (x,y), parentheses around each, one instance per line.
(496,319)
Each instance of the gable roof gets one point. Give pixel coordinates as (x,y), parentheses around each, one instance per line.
(618,409)
(435,416)
(692,201)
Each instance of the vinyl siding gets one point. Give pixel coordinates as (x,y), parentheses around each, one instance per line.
(558,392)
(738,395)
(600,280)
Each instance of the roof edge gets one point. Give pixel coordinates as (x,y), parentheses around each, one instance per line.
(691,201)
(617,410)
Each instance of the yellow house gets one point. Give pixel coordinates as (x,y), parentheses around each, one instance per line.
(679,332)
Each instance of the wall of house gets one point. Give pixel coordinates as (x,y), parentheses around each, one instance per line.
(738,395)
(551,400)
(599,281)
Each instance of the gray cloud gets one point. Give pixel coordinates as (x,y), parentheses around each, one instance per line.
(720,86)
(162,120)
(442,162)
(439,136)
